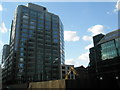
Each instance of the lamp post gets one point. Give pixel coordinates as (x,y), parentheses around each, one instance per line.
(55,60)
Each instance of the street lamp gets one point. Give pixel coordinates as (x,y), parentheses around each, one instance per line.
(117,77)
(56,59)
(101,78)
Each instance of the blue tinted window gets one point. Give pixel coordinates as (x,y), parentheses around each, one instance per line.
(25,21)
(108,50)
(24,30)
(55,18)
(21,49)
(55,32)
(21,54)
(47,26)
(22,44)
(40,15)
(31,31)
(55,36)
(33,19)
(55,28)
(40,25)
(55,40)
(25,10)
(21,65)
(25,26)
(48,17)
(30,35)
(33,13)
(25,17)
(32,27)
(24,35)
(40,21)
(23,39)
(32,23)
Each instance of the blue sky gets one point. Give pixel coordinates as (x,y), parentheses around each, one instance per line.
(81,21)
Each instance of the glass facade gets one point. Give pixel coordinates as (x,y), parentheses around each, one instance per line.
(41,45)
(110,49)
(36,45)
(117,40)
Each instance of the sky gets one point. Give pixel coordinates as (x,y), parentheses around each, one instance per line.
(81,20)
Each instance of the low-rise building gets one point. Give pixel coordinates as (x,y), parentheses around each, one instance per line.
(65,69)
(105,56)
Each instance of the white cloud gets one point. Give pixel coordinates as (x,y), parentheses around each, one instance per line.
(3,28)
(71,36)
(96,29)
(87,38)
(1,8)
(117,6)
(70,61)
(89,46)
(1,43)
(84,56)
(83,59)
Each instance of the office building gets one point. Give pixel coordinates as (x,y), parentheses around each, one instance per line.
(105,56)
(36,46)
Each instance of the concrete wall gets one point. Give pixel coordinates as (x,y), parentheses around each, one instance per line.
(68,84)
(48,84)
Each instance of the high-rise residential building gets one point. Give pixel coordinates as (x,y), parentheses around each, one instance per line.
(5,52)
(105,56)
(0,78)
(36,45)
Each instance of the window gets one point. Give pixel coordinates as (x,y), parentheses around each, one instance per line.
(40,25)
(55,36)
(108,50)
(55,28)
(30,35)
(21,59)
(24,35)
(47,27)
(32,27)
(63,67)
(24,25)
(41,15)
(22,44)
(31,31)
(47,16)
(21,65)
(25,30)
(20,70)
(25,21)
(33,13)
(32,19)
(32,23)
(25,10)
(21,49)
(55,18)
(63,72)
(40,21)
(55,32)
(23,39)
(25,17)
(21,54)
(55,40)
